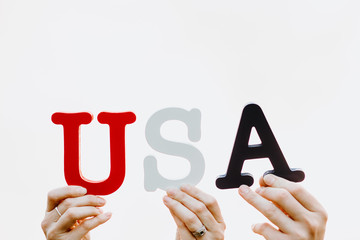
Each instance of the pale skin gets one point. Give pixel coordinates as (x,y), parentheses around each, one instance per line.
(191,209)
(296,214)
(80,213)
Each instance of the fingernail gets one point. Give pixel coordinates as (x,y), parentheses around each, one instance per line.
(101,200)
(106,216)
(185,187)
(269,179)
(258,190)
(82,190)
(244,189)
(253,227)
(171,192)
(166,199)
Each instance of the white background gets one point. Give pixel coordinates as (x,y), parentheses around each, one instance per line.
(299,60)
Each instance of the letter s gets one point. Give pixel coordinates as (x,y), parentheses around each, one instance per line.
(192,119)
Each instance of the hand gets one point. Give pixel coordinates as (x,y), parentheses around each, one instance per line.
(296,213)
(192,209)
(78,214)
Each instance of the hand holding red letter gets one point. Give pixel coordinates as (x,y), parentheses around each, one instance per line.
(71,123)
(70,214)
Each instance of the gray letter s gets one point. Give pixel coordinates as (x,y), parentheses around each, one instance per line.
(192,119)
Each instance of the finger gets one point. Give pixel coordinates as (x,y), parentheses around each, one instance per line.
(69,218)
(195,206)
(267,231)
(191,221)
(284,200)
(209,201)
(57,195)
(267,208)
(261,182)
(182,231)
(304,197)
(87,225)
(87,200)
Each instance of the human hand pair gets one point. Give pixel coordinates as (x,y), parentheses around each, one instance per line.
(71,214)
(195,213)
(296,213)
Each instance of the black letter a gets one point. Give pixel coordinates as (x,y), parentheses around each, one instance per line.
(253,116)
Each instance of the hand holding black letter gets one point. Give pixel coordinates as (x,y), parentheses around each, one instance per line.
(253,116)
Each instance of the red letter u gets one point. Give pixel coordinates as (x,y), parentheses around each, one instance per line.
(73,176)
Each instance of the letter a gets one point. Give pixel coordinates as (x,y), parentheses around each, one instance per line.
(253,116)
(73,176)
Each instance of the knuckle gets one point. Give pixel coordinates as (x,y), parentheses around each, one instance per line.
(311,222)
(324,215)
(71,213)
(315,225)
(51,195)
(282,195)
(301,235)
(297,189)
(66,203)
(44,225)
(211,202)
(192,220)
(86,226)
(200,208)
(270,209)
(223,225)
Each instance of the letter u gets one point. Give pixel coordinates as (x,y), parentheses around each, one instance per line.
(71,123)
